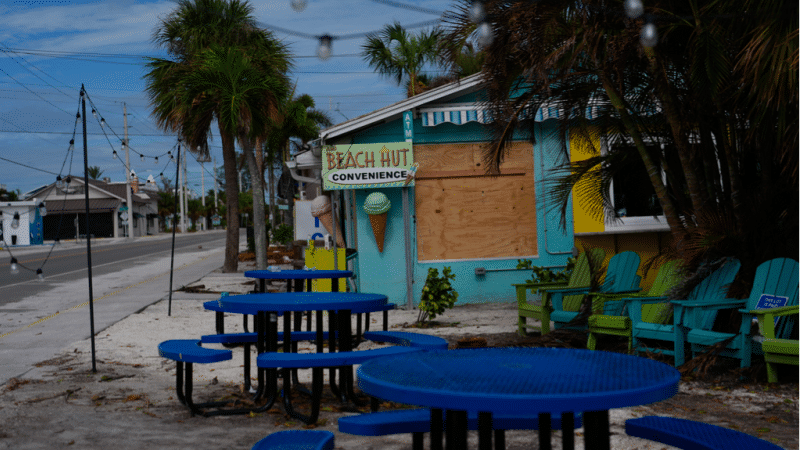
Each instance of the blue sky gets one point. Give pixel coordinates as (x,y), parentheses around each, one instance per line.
(49,48)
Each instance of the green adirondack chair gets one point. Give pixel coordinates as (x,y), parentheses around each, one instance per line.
(775,285)
(614,319)
(620,278)
(713,287)
(580,277)
(776,350)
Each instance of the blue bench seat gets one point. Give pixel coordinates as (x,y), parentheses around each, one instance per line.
(689,434)
(407,339)
(250,338)
(297,440)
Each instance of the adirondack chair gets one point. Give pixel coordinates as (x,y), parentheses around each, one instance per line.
(620,278)
(614,319)
(713,287)
(580,277)
(775,284)
(776,351)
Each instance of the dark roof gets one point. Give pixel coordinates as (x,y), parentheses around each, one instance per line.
(79,206)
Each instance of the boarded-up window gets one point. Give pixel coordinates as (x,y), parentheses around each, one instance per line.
(464,214)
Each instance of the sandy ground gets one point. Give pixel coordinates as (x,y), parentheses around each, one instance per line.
(130,402)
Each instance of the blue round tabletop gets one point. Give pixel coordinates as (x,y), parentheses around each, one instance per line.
(519,380)
(302,301)
(297,274)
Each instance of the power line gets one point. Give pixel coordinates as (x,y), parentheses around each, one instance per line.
(34,93)
(40,70)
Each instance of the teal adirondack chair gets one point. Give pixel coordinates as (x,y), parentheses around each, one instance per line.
(614,319)
(580,277)
(620,278)
(713,287)
(775,285)
(776,350)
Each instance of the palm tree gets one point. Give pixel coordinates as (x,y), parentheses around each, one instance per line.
(179,97)
(396,54)
(95,172)
(719,90)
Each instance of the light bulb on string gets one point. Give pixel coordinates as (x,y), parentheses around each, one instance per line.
(94,113)
(476,11)
(649,35)
(156,160)
(114,154)
(39,275)
(102,122)
(485,34)
(634,8)
(59,182)
(299,5)
(71,145)
(123,145)
(15,221)
(325,48)
(14,267)
(141,158)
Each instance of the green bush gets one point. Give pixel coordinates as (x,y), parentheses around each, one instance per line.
(437,294)
(547,275)
(284,234)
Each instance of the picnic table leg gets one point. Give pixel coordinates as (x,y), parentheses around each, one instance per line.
(544,432)
(568,431)
(346,345)
(267,331)
(499,439)
(332,337)
(596,430)
(437,426)
(457,428)
(484,431)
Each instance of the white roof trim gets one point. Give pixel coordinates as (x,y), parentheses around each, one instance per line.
(397,109)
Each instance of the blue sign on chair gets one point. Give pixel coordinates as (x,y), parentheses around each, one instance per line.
(767,301)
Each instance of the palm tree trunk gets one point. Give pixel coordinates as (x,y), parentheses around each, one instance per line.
(272,193)
(257,189)
(231,263)
(671,214)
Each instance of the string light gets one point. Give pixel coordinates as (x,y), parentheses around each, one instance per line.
(102,122)
(325,48)
(114,154)
(15,220)
(485,34)
(649,37)
(94,113)
(156,160)
(14,266)
(634,8)
(39,274)
(141,157)
(476,12)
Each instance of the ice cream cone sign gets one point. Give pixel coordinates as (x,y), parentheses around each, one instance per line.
(412,172)
(321,209)
(377,208)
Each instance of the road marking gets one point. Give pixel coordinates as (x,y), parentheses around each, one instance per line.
(100,298)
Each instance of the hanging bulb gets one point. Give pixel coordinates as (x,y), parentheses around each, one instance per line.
(325,47)
(68,179)
(59,182)
(634,8)
(78,116)
(649,36)
(141,158)
(476,12)
(102,122)
(94,113)
(114,154)
(39,275)
(156,160)
(299,5)
(485,34)
(123,145)
(14,266)
(15,221)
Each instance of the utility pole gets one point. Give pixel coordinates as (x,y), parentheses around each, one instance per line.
(127,172)
(185,203)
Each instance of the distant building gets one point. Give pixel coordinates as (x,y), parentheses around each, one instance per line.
(108,209)
(20,223)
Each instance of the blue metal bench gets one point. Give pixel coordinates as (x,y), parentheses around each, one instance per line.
(418,421)
(407,339)
(691,435)
(317,362)
(297,440)
(186,353)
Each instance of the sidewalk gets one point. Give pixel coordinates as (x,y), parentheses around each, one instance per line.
(130,402)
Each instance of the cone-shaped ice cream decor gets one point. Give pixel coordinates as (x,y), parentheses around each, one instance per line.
(321,209)
(377,207)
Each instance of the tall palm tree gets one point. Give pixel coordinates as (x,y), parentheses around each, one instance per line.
(397,54)
(95,172)
(187,33)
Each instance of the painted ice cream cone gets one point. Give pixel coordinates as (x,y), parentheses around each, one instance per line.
(377,208)
(321,209)
(412,172)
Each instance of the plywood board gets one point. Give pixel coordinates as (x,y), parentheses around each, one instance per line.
(477,217)
(442,157)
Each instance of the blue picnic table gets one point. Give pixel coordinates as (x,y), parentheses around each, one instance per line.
(521,381)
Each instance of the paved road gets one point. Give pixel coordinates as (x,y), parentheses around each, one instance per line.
(37,320)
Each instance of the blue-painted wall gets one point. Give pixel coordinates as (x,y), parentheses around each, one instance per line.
(385,272)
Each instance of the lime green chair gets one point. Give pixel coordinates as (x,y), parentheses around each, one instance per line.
(776,350)
(580,278)
(614,320)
